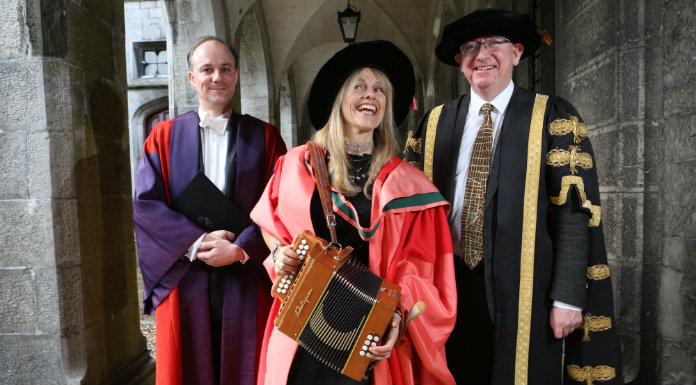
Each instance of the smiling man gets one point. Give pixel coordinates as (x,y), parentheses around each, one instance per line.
(519,171)
(200,256)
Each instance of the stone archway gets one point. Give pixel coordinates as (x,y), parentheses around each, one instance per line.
(137,128)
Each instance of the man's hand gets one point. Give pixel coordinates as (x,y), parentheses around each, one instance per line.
(564,321)
(216,249)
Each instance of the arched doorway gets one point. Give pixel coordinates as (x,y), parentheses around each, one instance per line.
(152,120)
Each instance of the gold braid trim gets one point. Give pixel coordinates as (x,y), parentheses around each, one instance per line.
(414,143)
(431,130)
(562,197)
(415,163)
(598,272)
(529,223)
(596,215)
(560,127)
(557,157)
(574,157)
(590,374)
(592,323)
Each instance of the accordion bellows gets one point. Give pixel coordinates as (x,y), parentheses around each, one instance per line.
(334,307)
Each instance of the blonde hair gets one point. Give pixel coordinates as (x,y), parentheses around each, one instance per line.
(332,137)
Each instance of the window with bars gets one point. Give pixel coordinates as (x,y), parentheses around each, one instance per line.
(151,59)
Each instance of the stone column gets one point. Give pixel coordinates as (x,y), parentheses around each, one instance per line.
(675,123)
(69,308)
(253,86)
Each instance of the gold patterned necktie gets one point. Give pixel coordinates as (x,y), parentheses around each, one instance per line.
(475,194)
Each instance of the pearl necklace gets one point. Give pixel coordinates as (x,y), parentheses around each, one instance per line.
(358,148)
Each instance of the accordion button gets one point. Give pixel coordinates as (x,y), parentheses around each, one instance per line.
(304,241)
(362,353)
(284,291)
(369,337)
(376,338)
(374,344)
(279,290)
(301,257)
(306,247)
(364,348)
(368,354)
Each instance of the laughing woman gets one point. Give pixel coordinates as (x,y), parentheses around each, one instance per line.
(387,210)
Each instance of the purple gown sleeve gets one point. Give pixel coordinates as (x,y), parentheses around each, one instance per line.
(163,235)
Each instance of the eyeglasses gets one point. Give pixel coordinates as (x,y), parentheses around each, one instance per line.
(472,48)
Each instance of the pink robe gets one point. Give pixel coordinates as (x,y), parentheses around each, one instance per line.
(410,244)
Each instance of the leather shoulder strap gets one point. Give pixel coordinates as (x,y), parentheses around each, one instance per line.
(321,177)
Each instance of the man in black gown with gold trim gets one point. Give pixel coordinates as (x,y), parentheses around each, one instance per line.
(532,268)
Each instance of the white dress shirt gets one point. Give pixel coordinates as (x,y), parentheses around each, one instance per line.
(215,136)
(474,119)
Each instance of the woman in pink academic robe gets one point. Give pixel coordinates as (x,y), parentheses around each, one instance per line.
(387,210)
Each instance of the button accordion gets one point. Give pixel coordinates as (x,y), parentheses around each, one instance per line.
(334,307)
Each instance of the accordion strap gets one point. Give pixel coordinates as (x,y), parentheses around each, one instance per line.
(321,177)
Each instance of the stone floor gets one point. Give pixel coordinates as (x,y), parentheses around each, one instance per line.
(147,322)
(147,327)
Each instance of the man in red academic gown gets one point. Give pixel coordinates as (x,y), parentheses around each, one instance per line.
(204,282)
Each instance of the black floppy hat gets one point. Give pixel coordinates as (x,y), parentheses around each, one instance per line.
(519,28)
(379,54)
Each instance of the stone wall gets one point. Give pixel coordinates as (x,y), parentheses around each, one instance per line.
(69,312)
(629,69)
(674,95)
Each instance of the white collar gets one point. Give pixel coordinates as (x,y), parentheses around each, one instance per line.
(217,124)
(500,102)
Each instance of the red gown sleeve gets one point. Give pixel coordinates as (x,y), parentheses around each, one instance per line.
(275,147)
(424,269)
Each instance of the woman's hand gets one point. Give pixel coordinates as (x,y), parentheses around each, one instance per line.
(384,351)
(286,260)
